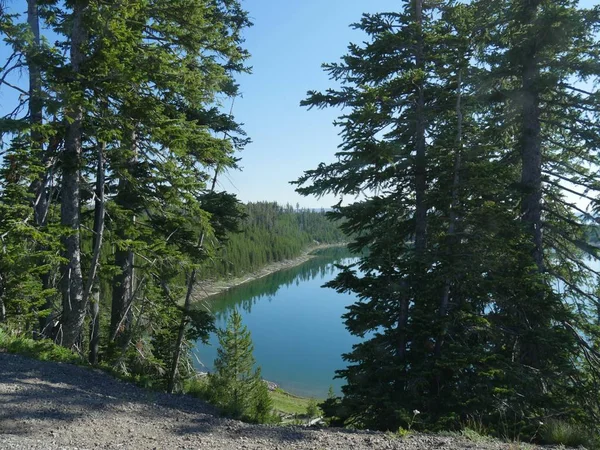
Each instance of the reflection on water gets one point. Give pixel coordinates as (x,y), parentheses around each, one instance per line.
(296,325)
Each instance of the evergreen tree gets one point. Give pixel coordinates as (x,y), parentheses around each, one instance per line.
(458,305)
(235,386)
(131,123)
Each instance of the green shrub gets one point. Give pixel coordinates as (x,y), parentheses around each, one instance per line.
(197,387)
(558,432)
(44,350)
(312,409)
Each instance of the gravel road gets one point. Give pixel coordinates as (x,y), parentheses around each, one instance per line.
(45,405)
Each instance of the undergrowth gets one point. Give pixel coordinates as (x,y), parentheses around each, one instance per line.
(43,350)
(557,432)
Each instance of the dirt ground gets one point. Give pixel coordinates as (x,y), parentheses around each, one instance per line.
(46,405)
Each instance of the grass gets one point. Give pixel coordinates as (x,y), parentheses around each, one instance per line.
(284,403)
(557,432)
(43,350)
(287,403)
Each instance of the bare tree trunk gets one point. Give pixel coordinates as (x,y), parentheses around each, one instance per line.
(74,305)
(123,281)
(93,286)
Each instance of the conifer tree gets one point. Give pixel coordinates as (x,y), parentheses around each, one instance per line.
(132,70)
(458,305)
(235,386)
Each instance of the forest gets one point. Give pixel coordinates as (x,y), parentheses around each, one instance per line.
(109,206)
(472,129)
(271,233)
(467,182)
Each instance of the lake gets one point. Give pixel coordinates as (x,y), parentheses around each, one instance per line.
(296,325)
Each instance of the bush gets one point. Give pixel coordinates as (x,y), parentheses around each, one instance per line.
(45,350)
(558,432)
(197,387)
(312,409)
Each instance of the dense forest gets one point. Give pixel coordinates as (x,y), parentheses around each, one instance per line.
(472,131)
(271,233)
(467,181)
(110,160)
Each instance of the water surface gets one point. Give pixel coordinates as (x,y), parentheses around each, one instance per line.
(296,325)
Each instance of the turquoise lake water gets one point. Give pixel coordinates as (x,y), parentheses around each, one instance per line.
(296,325)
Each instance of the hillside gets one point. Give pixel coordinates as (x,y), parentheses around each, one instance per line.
(271,233)
(45,405)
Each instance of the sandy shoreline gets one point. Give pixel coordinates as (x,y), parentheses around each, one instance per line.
(208,288)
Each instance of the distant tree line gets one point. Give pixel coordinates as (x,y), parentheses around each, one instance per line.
(272,233)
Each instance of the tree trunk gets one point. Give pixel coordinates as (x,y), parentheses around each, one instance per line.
(420,160)
(420,175)
(123,282)
(74,306)
(39,186)
(186,307)
(120,319)
(93,286)
(35,81)
(2,306)
(531,173)
(184,321)
(531,176)
(445,301)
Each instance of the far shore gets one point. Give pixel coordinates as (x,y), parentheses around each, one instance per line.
(208,288)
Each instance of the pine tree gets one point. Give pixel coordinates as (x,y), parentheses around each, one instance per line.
(137,80)
(458,307)
(235,386)
(403,85)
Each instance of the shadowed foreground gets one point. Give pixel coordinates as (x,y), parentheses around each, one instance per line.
(45,405)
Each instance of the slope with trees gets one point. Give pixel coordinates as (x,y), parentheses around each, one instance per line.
(271,233)
(472,132)
(110,158)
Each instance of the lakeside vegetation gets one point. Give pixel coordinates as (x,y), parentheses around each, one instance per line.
(272,233)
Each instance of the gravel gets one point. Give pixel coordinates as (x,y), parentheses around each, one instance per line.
(47,405)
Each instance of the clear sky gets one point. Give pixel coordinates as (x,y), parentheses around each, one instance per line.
(289,41)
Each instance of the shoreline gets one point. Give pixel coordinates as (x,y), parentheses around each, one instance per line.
(209,288)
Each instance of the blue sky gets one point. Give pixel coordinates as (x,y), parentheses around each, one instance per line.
(289,41)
